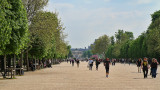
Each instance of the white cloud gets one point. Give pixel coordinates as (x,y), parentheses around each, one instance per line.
(144,1)
(53,6)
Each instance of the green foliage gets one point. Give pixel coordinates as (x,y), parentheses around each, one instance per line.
(15,27)
(101,44)
(146,45)
(87,54)
(33,7)
(47,36)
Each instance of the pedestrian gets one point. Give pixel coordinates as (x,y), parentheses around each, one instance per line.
(72,62)
(151,66)
(129,62)
(77,63)
(67,60)
(145,67)
(97,64)
(113,62)
(90,64)
(106,64)
(154,68)
(50,63)
(139,61)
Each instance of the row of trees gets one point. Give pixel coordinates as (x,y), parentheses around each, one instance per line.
(87,54)
(28,31)
(123,44)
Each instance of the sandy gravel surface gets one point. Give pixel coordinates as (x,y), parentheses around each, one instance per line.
(66,77)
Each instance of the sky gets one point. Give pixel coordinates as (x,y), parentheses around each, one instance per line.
(86,20)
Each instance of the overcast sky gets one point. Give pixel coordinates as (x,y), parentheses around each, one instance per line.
(86,20)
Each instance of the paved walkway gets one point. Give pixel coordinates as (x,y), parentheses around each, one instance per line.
(66,77)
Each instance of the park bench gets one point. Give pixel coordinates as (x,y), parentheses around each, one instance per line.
(19,71)
(11,71)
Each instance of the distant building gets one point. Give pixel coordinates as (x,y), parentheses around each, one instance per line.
(78,52)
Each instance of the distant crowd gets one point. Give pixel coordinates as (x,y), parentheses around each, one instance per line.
(143,64)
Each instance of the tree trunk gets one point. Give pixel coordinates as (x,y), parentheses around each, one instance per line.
(27,61)
(21,62)
(14,65)
(35,64)
(4,76)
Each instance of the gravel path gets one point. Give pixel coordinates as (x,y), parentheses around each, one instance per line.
(66,77)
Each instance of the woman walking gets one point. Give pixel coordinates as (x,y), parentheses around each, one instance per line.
(154,68)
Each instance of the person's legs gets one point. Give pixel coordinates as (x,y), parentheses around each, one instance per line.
(153,72)
(144,73)
(78,64)
(96,67)
(107,72)
(90,66)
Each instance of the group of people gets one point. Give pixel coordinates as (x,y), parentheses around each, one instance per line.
(144,65)
(72,61)
(98,61)
(141,64)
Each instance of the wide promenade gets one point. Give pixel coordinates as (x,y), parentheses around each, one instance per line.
(66,77)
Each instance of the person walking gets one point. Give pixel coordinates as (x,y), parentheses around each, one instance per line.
(145,67)
(139,61)
(106,64)
(77,63)
(113,62)
(90,64)
(151,66)
(72,62)
(97,64)
(154,65)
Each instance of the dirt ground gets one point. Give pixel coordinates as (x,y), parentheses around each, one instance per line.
(66,77)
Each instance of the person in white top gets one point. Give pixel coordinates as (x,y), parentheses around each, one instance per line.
(90,64)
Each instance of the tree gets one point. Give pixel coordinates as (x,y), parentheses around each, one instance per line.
(15,26)
(100,45)
(33,7)
(42,29)
(153,38)
(112,40)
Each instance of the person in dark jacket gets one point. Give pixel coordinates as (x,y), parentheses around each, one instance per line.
(139,65)
(154,65)
(106,64)
(97,64)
